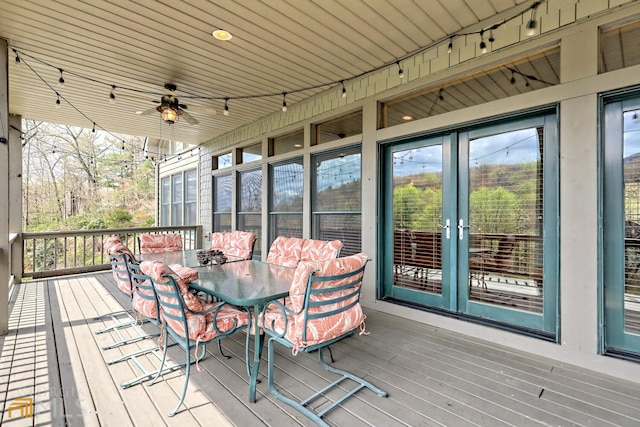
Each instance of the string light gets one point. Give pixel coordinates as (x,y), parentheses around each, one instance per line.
(513,79)
(94,127)
(483,45)
(400,71)
(533,23)
(226,107)
(530,27)
(61,79)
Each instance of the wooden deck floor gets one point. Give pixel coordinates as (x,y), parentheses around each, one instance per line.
(433,377)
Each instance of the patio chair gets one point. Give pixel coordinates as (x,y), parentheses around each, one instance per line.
(145,305)
(285,251)
(150,243)
(119,257)
(191,321)
(237,243)
(323,308)
(320,250)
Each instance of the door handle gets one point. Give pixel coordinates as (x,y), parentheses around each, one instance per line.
(461,228)
(447,229)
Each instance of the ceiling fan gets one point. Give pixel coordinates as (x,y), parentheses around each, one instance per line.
(171,109)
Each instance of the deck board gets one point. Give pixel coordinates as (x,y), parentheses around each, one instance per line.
(434,377)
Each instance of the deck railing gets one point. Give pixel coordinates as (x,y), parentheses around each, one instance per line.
(58,253)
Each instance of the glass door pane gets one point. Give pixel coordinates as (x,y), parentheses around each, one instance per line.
(506,201)
(414,221)
(505,219)
(621,206)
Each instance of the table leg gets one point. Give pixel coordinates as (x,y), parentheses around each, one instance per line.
(258,341)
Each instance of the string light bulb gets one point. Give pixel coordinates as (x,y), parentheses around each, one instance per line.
(17,57)
(58,100)
(94,127)
(61,79)
(533,23)
(112,95)
(483,44)
(491,39)
(344,90)
(284,102)
(226,107)
(400,71)
(450,47)
(513,78)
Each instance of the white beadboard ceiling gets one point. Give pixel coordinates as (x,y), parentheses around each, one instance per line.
(277,46)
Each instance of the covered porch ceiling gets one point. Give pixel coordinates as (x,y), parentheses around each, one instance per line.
(277,46)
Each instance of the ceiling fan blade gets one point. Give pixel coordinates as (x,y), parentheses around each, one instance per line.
(147,112)
(189,118)
(198,109)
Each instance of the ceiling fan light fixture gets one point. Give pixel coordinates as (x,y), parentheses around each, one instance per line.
(170,115)
(221,34)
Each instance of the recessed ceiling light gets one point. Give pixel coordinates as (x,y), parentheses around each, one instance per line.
(407,118)
(222,35)
(297,145)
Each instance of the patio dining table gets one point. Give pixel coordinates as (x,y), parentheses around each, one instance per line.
(243,283)
(250,284)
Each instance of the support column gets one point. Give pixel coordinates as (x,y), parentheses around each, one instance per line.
(5,247)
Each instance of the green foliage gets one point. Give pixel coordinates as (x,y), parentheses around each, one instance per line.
(85,222)
(118,218)
(493,210)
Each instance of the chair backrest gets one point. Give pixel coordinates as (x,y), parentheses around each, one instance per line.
(285,251)
(150,243)
(320,250)
(171,303)
(119,257)
(241,244)
(326,297)
(220,240)
(144,300)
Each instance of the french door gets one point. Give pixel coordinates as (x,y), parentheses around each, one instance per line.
(465,214)
(621,226)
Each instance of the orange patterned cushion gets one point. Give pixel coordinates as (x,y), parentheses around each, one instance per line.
(285,251)
(320,250)
(160,242)
(325,328)
(201,326)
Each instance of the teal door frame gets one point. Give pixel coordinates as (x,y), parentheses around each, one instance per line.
(455,278)
(614,338)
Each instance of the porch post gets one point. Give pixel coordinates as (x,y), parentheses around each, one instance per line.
(5,247)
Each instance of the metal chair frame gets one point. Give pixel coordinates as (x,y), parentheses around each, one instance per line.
(119,264)
(185,342)
(303,405)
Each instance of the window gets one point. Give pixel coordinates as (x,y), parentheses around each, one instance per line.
(251,153)
(191,197)
(524,75)
(179,198)
(222,203)
(222,161)
(176,199)
(341,127)
(286,199)
(286,143)
(619,47)
(165,201)
(336,191)
(250,204)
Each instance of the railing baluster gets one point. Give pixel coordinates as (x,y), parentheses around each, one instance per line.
(43,261)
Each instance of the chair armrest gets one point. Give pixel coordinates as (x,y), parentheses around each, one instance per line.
(282,311)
